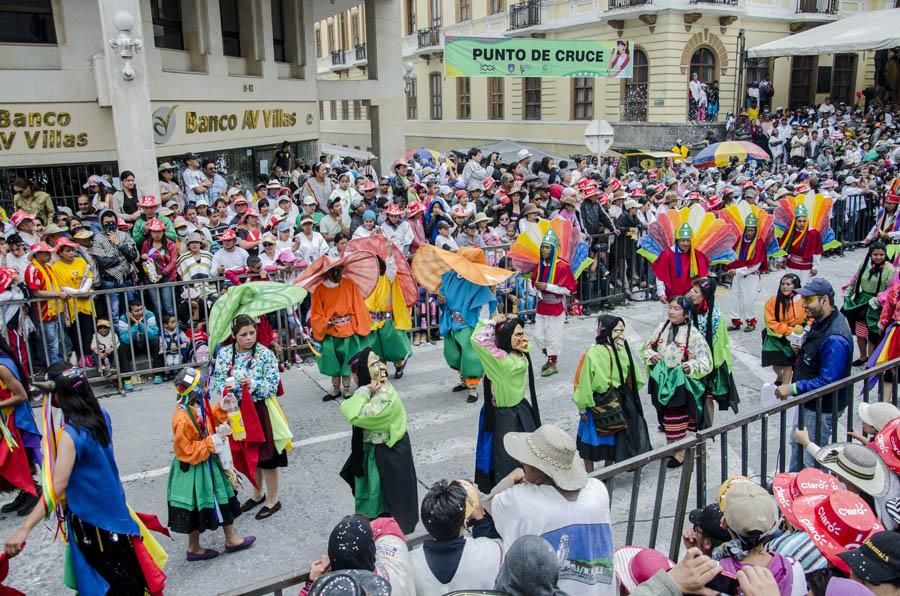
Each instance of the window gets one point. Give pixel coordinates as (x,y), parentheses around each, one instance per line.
(436,12)
(321,110)
(318,43)
(331,45)
(495,6)
(345,109)
(463,98)
(333,109)
(410,17)
(703,62)
(495,98)
(434,80)
(823,80)
(583,98)
(757,70)
(800,94)
(844,74)
(28,21)
(357,109)
(278,30)
(342,29)
(531,98)
(166,16)
(231,27)
(354,30)
(463,10)
(412,101)
(634,90)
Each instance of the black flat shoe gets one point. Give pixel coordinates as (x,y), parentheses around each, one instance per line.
(858,362)
(250,504)
(329,397)
(15,503)
(674,463)
(268,511)
(460,387)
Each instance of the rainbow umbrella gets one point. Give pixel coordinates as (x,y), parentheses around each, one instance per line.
(423,154)
(720,154)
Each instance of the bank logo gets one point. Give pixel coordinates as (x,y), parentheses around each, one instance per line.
(163,124)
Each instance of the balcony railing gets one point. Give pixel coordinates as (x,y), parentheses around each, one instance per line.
(614,4)
(724,2)
(361,52)
(430,37)
(525,14)
(818,6)
(338,57)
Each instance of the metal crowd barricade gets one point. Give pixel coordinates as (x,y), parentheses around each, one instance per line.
(656,517)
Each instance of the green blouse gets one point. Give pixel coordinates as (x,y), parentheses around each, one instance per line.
(381,415)
(508,372)
(598,372)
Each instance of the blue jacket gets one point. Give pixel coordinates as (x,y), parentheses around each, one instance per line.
(127,331)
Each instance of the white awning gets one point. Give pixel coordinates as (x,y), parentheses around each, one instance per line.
(873,30)
(341,151)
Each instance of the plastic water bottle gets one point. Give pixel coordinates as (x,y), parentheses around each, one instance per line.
(235,419)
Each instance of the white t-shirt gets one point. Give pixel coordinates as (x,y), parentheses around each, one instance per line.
(234,259)
(578,530)
(193,179)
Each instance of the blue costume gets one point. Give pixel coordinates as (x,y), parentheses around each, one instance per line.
(463,305)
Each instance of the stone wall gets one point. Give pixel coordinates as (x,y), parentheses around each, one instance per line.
(661,136)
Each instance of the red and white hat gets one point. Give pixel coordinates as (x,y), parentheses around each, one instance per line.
(415,208)
(887,444)
(368,185)
(713,203)
(394,209)
(788,486)
(613,185)
(801,189)
(727,191)
(123,225)
(590,190)
(6,277)
(241,200)
(249,213)
(459,211)
(835,523)
(228,235)
(583,183)
(634,565)
(41,247)
(63,241)
(149,201)
(487,183)
(20,216)
(638,192)
(156,225)
(603,199)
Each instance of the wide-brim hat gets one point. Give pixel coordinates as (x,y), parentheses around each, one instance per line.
(887,445)
(156,225)
(835,523)
(63,241)
(857,465)
(165,166)
(552,451)
(83,234)
(529,209)
(414,208)
(228,235)
(569,200)
(631,204)
(788,486)
(487,183)
(273,185)
(633,565)
(394,209)
(149,201)
(52,229)
(480,217)
(878,414)
(42,247)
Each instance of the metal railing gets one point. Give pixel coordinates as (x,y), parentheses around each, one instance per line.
(725,2)
(338,57)
(708,461)
(361,49)
(525,14)
(430,37)
(818,6)
(614,4)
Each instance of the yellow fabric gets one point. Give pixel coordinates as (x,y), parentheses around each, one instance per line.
(402,320)
(71,276)
(388,296)
(157,552)
(281,433)
(52,286)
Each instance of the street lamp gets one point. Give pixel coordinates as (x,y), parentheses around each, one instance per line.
(123,44)
(408,77)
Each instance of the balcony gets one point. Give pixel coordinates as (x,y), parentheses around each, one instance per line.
(829,7)
(524,14)
(361,50)
(615,4)
(338,57)
(429,38)
(719,2)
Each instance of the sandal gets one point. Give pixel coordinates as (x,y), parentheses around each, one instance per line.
(268,511)
(250,504)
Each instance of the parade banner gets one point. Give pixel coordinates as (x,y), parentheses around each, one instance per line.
(520,57)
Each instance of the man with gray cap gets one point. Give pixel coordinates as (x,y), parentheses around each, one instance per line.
(824,358)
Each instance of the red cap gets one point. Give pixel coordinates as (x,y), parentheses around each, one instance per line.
(788,486)
(461,193)
(250,212)
(835,523)
(368,185)
(156,225)
(63,241)
(394,209)
(149,201)
(556,191)
(887,444)
(42,247)
(228,235)
(487,183)
(240,200)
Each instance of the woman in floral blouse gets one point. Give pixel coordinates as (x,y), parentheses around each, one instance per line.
(677,358)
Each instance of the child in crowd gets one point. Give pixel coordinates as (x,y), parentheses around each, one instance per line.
(173,342)
(104,343)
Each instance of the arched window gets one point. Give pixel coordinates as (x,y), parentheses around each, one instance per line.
(635,89)
(703,62)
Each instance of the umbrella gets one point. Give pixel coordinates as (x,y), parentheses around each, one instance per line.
(423,154)
(719,154)
(360,267)
(871,155)
(253,299)
(384,249)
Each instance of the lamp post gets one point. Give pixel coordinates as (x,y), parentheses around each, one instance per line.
(409,78)
(598,137)
(123,44)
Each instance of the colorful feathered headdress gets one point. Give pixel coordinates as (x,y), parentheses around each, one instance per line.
(818,215)
(525,252)
(739,215)
(711,236)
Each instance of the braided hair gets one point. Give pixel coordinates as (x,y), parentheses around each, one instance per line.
(874,270)
(688,309)
(707,286)
(605,326)
(783,303)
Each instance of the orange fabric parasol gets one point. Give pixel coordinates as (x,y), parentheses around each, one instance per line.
(431,262)
(383,248)
(360,267)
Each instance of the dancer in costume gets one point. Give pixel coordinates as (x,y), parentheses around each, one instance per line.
(502,347)
(109,549)
(682,244)
(677,358)
(756,243)
(554,266)
(463,282)
(200,495)
(612,426)
(803,227)
(707,318)
(861,307)
(339,317)
(20,445)
(887,225)
(889,346)
(784,314)
(389,302)
(380,469)
(247,373)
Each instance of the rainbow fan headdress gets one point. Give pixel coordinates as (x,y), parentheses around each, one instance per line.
(818,208)
(525,252)
(712,236)
(736,216)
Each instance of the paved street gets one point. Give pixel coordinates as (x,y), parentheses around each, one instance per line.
(442,429)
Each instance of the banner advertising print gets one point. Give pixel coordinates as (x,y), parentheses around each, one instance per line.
(515,57)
